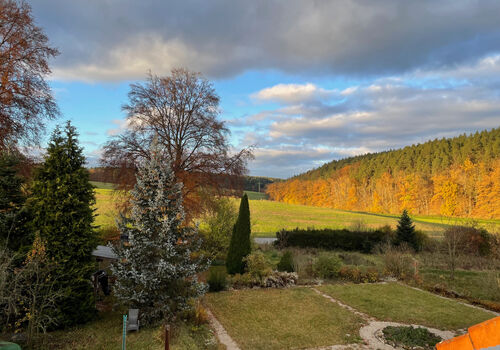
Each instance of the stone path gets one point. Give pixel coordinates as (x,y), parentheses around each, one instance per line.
(221,333)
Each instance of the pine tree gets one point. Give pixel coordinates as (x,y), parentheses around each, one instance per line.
(14,217)
(405,232)
(157,268)
(61,203)
(239,246)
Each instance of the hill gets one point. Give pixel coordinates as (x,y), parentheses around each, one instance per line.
(456,177)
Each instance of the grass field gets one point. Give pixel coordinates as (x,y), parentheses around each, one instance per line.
(283,319)
(106,334)
(268,217)
(399,303)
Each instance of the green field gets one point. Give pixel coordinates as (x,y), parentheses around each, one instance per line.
(268,217)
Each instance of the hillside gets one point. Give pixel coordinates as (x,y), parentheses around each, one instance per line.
(458,176)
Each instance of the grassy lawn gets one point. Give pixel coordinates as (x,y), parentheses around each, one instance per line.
(256,195)
(398,303)
(103,185)
(105,334)
(268,217)
(482,285)
(283,318)
(105,208)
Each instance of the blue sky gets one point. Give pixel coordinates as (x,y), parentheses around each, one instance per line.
(303,82)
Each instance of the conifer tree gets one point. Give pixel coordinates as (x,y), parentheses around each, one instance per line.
(157,268)
(61,203)
(14,217)
(239,246)
(405,232)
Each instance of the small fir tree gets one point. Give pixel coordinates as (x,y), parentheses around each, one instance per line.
(240,246)
(61,203)
(157,268)
(405,232)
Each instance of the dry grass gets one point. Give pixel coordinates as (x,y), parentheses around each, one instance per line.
(283,319)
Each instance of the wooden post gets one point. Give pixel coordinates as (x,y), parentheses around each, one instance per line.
(167,337)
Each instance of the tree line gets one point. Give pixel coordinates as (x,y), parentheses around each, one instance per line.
(456,177)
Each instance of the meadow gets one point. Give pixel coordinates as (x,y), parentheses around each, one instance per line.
(268,217)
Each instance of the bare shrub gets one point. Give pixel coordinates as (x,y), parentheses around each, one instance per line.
(400,263)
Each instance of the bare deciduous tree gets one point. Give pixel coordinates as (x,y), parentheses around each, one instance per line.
(26,100)
(181,111)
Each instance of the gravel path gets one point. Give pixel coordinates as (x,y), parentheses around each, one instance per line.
(221,333)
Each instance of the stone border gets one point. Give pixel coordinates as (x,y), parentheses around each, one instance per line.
(220,332)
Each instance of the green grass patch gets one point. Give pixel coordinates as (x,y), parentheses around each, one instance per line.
(283,319)
(482,285)
(256,195)
(106,333)
(399,303)
(103,185)
(410,337)
(268,217)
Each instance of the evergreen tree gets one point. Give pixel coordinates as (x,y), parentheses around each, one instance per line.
(157,268)
(405,232)
(14,217)
(61,203)
(239,246)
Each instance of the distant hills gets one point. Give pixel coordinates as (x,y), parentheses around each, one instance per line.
(457,176)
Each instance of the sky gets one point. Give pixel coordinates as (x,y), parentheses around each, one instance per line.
(303,82)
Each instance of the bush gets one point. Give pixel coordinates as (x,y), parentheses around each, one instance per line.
(257,266)
(275,279)
(217,279)
(399,263)
(327,266)
(363,241)
(286,262)
(411,337)
(357,275)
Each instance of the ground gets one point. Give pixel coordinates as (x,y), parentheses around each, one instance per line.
(268,217)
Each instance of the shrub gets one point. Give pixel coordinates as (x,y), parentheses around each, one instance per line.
(363,241)
(286,262)
(327,266)
(240,245)
(354,258)
(357,275)
(399,263)
(411,337)
(217,279)
(257,266)
(275,279)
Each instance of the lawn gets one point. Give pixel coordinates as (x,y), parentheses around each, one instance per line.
(268,217)
(283,319)
(106,334)
(482,285)
(399,303)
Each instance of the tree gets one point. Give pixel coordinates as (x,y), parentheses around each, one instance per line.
(240,246)
(26,100)
(14,216)
(219,219)
(157,269)
(181,111)
(61,203)
(405,232)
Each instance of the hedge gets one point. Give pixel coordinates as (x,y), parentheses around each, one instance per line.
(329,239)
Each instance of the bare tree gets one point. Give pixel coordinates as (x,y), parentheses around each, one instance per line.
(26,100)
(181,111)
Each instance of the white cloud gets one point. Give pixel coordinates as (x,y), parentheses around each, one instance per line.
(293,93)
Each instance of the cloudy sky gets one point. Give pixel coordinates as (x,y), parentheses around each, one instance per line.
(304,81)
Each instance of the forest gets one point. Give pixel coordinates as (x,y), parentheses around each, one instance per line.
(453,177)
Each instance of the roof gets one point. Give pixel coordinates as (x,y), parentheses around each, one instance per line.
(103,251)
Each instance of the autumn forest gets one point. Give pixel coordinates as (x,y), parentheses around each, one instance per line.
(455,177)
